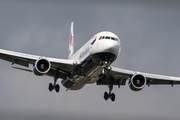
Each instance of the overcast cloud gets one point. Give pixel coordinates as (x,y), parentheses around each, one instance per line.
(150,37)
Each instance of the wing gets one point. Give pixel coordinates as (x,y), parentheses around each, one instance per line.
(120,76)
(62,65)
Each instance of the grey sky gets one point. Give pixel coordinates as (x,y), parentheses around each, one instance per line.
(149,33)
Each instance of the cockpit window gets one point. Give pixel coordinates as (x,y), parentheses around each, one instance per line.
(112,38)
(117,39)
(100,38)
(107,37)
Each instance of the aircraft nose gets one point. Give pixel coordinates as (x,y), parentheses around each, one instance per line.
(110,46)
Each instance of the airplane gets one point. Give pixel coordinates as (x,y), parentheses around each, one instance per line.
(90,64)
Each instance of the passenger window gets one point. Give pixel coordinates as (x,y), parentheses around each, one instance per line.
(103,37)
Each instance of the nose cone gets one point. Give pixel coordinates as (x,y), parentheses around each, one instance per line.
(109,46)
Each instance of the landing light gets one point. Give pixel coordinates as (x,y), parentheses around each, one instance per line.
(74,63)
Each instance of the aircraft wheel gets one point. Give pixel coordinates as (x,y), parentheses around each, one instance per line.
(50,87)
(106,95)
(57,88)
(113,97)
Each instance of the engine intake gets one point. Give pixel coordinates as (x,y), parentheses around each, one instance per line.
(41,67)
(137,82)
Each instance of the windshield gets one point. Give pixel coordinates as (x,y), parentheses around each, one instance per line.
(110,38)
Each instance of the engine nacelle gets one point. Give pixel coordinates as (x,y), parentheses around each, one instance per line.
(137,82)
(41,67)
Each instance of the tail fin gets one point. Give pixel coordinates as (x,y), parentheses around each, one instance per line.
(71,42)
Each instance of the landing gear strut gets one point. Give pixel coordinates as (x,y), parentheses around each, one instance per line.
(54,86)
(110,95)
(107,68)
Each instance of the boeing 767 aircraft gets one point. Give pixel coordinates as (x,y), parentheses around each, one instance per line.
(90,64)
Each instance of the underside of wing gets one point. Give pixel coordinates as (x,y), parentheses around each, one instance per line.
(120,76)
(60,66)
(18,58)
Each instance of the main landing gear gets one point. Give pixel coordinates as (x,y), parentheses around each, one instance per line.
(109,95)
(54,86)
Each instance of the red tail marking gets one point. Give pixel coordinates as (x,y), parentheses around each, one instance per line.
(71,41)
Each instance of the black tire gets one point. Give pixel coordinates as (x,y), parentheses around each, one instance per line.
(50,87)
(106,95)
(57,88)
(113,97)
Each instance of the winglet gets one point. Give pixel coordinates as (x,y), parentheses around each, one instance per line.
(71,42)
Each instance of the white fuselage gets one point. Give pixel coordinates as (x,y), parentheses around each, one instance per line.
(103,47)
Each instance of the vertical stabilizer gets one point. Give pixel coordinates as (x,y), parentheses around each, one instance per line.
(71,42)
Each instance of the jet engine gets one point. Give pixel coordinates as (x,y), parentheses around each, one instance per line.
(137,82)
(41,67)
